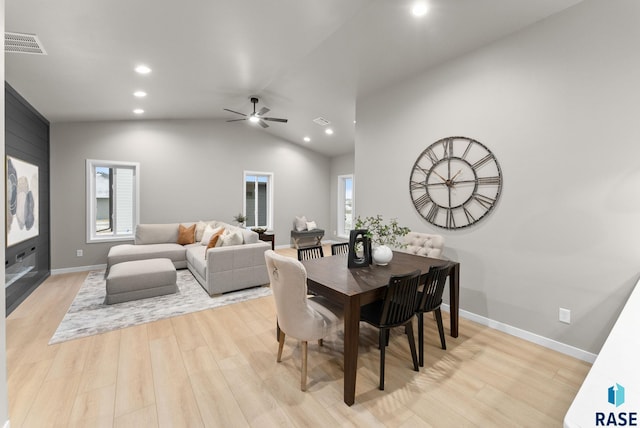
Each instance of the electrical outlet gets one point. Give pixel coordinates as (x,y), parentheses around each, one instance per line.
(78,253)
(565,315)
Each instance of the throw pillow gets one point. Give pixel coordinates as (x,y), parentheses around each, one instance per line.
(214,239)
(230,238)
(186,235)
(311,225)
(208,233)
(300,223)
(200,227)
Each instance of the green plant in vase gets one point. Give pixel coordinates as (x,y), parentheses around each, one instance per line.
(240,219)
(383,236)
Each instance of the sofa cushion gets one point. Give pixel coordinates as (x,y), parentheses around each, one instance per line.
(127,252)
(200,226)
(156,233)
(196,257)
(186,235)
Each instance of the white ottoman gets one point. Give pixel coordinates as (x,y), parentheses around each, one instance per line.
(140,279)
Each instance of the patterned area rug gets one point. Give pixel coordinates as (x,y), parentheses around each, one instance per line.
(88,315)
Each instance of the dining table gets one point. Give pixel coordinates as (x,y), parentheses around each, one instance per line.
(353,287)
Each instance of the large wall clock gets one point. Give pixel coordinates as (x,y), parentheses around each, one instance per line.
(455,182)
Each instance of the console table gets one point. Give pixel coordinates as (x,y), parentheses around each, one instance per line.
(268,237)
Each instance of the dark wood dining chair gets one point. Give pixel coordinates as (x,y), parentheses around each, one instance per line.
(429,300)
(309,253)
(395,310)
(342,248)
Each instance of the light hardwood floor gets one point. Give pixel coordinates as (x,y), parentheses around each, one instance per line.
(218,368)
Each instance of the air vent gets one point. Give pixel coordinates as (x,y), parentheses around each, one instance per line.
(321,121)
(22,43)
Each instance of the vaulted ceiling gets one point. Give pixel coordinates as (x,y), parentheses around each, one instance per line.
(303,58)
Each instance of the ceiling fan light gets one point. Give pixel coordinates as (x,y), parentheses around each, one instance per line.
(254,119)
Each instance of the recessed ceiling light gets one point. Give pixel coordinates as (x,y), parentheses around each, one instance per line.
(419,9)
(306,139)
(140,94)
(143,69)
(328,131)
(138,111)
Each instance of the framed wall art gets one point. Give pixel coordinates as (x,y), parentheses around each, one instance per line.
(22,200)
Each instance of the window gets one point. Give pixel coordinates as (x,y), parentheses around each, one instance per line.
(112,200)
(258,199)
(345,205)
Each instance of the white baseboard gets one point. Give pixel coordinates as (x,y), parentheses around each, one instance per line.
(528,336)
(78,269)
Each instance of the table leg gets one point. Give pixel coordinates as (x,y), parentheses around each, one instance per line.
(454,297)
(351,341)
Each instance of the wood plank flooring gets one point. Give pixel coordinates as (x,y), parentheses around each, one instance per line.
(217,368)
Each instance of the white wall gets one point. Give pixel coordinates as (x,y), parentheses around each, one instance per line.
(340,165)
(190,170)
(558,105)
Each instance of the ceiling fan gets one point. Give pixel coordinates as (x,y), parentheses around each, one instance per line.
(257,117)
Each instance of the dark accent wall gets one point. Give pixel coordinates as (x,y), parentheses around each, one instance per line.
(27,139)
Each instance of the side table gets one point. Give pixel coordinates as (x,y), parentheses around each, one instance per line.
(264,236)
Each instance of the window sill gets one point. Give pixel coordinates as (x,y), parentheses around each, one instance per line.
(103,239)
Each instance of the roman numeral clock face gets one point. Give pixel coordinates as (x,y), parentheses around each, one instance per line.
(455,182)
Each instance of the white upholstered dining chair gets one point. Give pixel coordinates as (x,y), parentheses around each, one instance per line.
(301,317)
(424,244)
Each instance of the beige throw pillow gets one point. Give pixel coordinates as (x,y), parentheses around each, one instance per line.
(230,238)
(300,223)
(208,233)
(311,225)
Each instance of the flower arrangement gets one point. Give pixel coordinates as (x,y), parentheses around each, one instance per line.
(382,233)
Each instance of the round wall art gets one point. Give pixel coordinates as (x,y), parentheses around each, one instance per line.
(455,182)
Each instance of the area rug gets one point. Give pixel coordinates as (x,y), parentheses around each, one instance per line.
(88,315)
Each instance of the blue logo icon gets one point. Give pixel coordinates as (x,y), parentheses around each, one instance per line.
(616,395)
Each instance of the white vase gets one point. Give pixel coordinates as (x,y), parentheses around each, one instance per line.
(382,255)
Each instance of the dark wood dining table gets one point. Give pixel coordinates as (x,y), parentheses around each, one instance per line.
(330,277)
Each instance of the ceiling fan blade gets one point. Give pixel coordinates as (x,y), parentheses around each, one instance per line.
(235,120)
(236,112)
(263,124)
(275,119)
(263,110)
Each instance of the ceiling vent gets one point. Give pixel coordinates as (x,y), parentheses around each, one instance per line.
(321,121)
(22,43)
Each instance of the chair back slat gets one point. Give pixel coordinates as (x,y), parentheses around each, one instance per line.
(342,248)
(400,299)
(430,297)
(309,253)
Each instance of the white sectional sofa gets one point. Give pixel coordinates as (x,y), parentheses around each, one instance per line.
(219,269)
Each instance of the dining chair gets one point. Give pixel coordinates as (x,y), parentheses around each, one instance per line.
(395,310)
(309,253)
(298,316)
(429,300)
(341,248)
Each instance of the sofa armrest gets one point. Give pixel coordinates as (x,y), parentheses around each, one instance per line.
(236,266)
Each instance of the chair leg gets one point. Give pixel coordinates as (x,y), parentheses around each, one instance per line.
(382,340)
(412,345)
(280,345)
(320,342)
(440,327)
(421,338)
(303,380)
